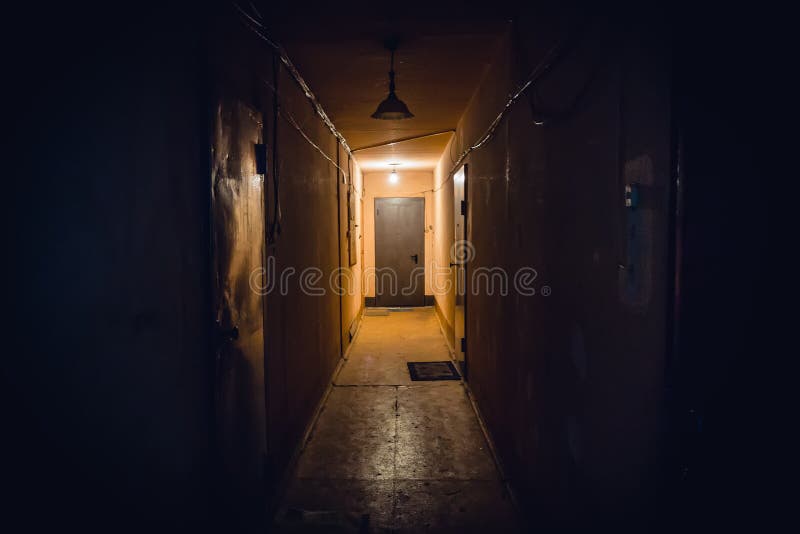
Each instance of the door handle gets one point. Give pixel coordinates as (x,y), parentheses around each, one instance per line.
(415,257)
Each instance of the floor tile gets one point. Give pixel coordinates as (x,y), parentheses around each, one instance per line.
(354,436)
(452,506)
(410,454)
(438,435)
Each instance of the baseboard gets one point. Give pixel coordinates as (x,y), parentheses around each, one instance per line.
(445,328)
(487,436)
(355,328)
(372,302)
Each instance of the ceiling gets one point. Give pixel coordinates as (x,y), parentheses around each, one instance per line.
(438,65)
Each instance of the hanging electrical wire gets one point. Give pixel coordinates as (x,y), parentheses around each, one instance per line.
(552,56)
(542,115)
(291,120)
(260,31)
(406,139)
(280,58)
(275,223)
(252,20)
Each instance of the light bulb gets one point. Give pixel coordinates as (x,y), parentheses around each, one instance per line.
(393,177)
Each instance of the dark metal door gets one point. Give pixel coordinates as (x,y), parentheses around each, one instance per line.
(237,224)
(461,253)
(400,251)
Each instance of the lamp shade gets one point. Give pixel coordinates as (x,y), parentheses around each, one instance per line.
(392,108)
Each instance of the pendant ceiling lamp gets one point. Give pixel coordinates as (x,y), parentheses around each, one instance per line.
(392,108)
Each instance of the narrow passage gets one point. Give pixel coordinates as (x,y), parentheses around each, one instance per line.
(409,454)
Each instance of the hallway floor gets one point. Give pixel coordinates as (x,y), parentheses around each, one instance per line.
(409,454)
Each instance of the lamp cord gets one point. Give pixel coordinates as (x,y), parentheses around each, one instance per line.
(391,74)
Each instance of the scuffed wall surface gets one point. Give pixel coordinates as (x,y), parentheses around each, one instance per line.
(570,384)
(443,236)
(306,323)
(238,239)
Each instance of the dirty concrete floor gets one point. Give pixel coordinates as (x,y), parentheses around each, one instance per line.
(409,454)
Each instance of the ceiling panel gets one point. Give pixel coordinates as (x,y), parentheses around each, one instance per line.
(438,66)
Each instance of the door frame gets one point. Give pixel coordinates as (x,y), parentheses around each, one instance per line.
(375,242)
(457,342)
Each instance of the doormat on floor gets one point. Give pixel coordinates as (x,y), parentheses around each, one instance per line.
(372,312)
(433,371)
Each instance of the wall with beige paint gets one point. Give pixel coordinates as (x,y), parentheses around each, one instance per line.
(409,184)
(443,230)
(353,298)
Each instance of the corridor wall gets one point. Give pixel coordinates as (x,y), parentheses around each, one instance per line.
(570,378)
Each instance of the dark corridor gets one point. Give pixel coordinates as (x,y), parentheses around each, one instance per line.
(210,329)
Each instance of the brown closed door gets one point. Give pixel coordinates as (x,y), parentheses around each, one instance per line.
(237,224)
(400,251)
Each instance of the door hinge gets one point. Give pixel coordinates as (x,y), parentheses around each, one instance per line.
(463,207)
(464,344)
